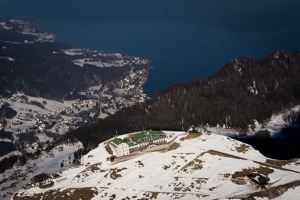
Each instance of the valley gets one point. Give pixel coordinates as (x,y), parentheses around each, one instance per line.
(49,88)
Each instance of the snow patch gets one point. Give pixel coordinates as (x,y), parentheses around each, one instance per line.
(72,52)
(7,58)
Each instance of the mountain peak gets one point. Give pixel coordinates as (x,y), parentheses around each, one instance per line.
(188,167)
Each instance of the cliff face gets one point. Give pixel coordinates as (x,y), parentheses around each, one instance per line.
(242,91)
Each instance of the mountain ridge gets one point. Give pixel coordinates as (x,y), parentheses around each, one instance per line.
(241,92)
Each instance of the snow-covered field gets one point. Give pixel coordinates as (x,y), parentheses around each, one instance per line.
(49,162)
(207,166)
(97,58)
(277,121)
(28,113)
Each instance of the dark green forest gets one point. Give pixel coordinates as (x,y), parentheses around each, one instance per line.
(43,70)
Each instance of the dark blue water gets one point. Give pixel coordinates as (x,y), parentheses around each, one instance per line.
(184,39)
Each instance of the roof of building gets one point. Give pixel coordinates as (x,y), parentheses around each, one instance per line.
(117,141)
(144,134)
(258,178)
(131,144)
(40,177)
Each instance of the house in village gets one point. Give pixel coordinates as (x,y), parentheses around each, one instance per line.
(137,142)
(46,184)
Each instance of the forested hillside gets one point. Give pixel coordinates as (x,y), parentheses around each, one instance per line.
(242,91)
(37,71)
(34,63)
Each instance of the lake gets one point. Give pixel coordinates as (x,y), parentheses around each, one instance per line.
(185,39)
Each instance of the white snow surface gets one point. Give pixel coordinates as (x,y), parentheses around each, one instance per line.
(27,113)
(273,125)
(7,58)
(17,176)
(291,194)
(99,63)
(200,168)
(72,52)
(60,154)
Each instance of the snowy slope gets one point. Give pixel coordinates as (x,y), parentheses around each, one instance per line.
(204,166)
(272,125)
(17,176)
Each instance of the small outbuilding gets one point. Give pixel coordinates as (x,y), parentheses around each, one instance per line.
(46,184)
(259,179)
(39,178)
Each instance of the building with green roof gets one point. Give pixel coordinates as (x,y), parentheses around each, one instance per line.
(148,136)
(117,141)
(137,142)
(119,147)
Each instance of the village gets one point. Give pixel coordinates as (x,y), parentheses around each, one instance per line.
(42,119)
(47,118)
(31,124)
(34,124)
(123,92)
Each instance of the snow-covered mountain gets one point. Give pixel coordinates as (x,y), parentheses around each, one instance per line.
(190,166)
(73,87)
